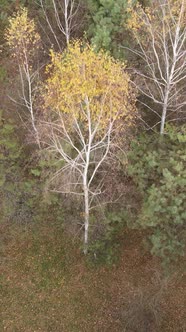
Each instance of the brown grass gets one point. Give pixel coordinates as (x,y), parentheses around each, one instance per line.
(47,286)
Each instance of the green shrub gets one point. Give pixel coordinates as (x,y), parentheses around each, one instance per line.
(105,245)
(10,152)
(22,180)
(106,25)
(157,165)
(3,74)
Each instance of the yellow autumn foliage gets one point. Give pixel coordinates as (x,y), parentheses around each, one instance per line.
(21,35)
(83,83)
(163,13)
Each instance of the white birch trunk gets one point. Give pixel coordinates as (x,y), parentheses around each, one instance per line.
(31,110)
(86,223)
(164,113)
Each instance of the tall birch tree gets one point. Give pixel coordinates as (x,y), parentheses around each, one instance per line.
(24,41)
(160,33)
(89,100)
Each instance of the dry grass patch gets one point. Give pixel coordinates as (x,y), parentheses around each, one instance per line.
(47,286)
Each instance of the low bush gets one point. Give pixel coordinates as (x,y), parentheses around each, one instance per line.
(157,166)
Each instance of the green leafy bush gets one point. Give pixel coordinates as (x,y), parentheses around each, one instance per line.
(157,165)
(22,180)
(105,245)
(10,152)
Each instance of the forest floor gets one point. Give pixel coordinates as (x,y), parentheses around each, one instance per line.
(47,285)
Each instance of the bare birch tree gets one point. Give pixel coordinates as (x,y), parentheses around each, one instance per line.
(87,94)
(65,13)
(160,33)
(24,41)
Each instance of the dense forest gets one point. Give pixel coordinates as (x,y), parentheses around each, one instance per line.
(92,165)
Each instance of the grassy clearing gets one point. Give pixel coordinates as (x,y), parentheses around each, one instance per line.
(47,286)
